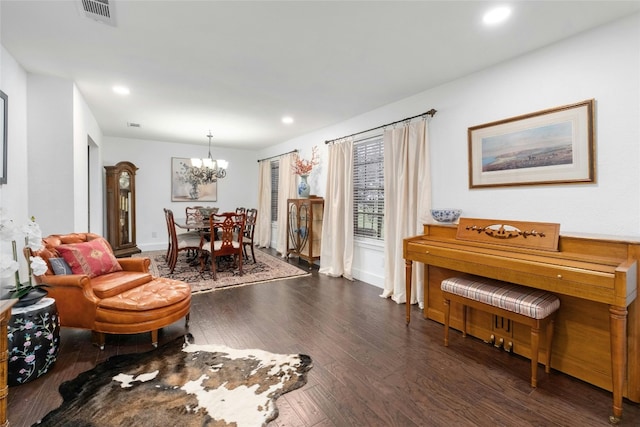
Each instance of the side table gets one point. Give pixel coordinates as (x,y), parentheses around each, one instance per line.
(34,340)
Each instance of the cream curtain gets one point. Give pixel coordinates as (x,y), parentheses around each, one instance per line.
(407,190)
(336,253)
(286,190)
(262,236)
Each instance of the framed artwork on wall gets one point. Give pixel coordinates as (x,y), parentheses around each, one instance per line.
(552,146)
(191,183)
(4,113)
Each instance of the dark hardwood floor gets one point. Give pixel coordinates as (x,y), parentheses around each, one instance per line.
(369,369)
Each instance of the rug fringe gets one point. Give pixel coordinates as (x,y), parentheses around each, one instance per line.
(206,291)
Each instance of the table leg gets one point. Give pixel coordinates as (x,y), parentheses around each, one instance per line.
(408,267)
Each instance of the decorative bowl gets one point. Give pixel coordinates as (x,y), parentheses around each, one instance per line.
(446,215)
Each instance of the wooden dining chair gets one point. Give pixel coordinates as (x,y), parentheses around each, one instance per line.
(189,241)
(240,210)
(193,214)
(249,230)
(228,241)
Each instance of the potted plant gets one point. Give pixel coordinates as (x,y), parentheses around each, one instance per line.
(33,332)
(27,292)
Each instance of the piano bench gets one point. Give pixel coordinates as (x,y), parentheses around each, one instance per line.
(521,304)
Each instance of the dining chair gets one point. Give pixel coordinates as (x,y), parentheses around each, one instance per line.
(193,214)
(189,241)
(240,210)
(228,241)
(249,229)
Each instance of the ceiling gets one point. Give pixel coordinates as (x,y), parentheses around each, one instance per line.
(238,67)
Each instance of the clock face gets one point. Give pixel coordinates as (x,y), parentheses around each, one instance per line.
(124,180)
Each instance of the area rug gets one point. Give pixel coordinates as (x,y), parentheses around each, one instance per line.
(181,384)
(267,268)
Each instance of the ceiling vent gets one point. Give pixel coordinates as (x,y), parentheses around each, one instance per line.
(99,10)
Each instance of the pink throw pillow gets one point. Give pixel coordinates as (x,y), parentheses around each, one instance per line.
(92,258)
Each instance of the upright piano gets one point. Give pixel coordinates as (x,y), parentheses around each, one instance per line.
(597,330)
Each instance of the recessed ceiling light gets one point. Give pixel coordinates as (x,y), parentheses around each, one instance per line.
(496,15)
(121,90)
(287,120)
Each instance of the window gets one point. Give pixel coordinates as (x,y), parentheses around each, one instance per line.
(275,170)
(368,188)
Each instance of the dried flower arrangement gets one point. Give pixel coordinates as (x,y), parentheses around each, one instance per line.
(304,167)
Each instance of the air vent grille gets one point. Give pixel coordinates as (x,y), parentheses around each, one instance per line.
(99,10)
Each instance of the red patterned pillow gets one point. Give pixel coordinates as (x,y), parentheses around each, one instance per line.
(92,258)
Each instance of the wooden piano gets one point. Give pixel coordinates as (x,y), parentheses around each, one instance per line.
(596,278)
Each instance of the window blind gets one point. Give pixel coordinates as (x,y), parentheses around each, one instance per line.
(368,188)
(275,170)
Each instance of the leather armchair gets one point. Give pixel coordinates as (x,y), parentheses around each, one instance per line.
(121,302)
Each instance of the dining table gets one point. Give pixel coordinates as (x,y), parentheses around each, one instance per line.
(202,225)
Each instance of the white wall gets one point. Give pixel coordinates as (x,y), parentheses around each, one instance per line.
(87,135)
(603,64)
(153,182)
(13,197)
(59,125)
(51,154)
(14,202)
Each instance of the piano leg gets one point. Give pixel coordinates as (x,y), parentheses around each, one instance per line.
(408,266)
(618,331)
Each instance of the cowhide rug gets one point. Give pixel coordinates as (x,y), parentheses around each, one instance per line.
(181,384)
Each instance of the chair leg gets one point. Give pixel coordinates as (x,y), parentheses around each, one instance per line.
(464,321)
(213,266)
(240,263)
(154,338)
(253,254)
(447,313)
(98,339)
(535,344)
(549,340)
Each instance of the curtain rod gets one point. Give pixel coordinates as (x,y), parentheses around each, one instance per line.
(431,113)
(278,155)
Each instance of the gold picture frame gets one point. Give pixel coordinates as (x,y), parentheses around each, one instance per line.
(554,146)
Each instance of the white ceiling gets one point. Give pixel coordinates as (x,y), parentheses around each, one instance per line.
(237,67)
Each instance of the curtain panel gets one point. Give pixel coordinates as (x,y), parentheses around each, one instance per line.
(407,189)
(286,190)
(263,226)
(336,252)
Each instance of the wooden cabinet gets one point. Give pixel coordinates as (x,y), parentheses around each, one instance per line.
(304,228)
(121,208)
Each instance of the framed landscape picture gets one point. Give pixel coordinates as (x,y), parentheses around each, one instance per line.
(546,147)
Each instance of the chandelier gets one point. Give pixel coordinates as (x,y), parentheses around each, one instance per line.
(210,168)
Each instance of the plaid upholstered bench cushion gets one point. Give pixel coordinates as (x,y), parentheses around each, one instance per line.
(522,300)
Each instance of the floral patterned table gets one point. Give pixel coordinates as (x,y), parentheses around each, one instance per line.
(33,337)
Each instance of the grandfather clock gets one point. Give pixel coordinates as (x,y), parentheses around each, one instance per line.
(121,208)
